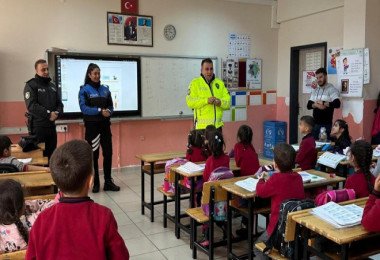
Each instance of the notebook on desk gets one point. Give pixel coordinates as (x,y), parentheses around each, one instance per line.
(330,159)
(307,177)
(190,167)
(248,184)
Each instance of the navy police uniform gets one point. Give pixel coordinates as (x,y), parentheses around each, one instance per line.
(92,99)
(41,98)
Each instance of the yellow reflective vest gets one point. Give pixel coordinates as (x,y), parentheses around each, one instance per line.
(197,98)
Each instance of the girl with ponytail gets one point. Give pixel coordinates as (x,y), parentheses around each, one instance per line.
(362,181)
(340,137)
(17,216)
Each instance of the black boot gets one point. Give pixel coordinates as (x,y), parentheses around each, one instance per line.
(96,187)
(109,185)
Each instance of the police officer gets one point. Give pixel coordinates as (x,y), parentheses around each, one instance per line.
(208,97)
(96,104)
(44,104)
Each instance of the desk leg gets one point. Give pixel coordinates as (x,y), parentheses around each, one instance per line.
(192,205)
(142,189)
(296,242)
(177,206)
(306,254)
(229,226)
(250,229)
(344,252)
(151,192)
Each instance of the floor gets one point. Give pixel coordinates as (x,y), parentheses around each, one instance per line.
(150,240)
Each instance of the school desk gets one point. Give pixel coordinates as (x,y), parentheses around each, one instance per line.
(233,189)
(178,187)
(349,239)
(152,164)
(36,155)
(33,181)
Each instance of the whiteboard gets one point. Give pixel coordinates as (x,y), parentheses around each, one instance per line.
(164,84)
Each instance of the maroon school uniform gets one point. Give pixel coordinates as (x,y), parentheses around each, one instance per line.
(358,182)
(76,228)
(307,154)
(279,187)
(246,158)
(198,154)
(213,163)
(371,214)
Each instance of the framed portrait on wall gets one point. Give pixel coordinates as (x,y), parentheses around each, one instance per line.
(133,30)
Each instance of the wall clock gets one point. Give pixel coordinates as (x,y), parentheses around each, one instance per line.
(169,32)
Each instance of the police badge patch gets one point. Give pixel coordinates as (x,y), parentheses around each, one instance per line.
(27,95)
(188,92)
(105,92)
(217,85)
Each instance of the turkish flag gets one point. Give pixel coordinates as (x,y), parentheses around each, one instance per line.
(129,6)
(114,19)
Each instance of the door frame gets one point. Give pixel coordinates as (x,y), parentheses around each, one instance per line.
(294,82)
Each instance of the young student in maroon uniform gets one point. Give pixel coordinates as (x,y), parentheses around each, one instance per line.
(362,180)
(340,137)
(285,184)
(218,158)
(307,154)
(245,155)
(14,232)
(6,157)
(371,214)
(196,151)
(76,227)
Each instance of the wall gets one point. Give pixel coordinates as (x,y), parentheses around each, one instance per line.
(202,29)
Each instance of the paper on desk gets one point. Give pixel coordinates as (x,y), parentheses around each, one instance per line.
(330,159)
(339,216)
(190,167)
(248,184)
(26,160)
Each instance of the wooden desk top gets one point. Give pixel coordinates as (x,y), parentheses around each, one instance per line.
(36,155)
(236,190)
(157,157)
(30,179)
(233,167)
(265,161)
(338,235)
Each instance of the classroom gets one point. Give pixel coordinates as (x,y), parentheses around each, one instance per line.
(279,31)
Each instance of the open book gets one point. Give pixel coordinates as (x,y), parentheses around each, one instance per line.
(330,159)
(190,167)
(248,184)
(26,160)
(307,177)
(339,216)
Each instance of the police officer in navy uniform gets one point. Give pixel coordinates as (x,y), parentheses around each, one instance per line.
(96,104)
(44,104)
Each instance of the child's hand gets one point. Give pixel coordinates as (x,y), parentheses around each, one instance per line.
(377,184)
(264,175)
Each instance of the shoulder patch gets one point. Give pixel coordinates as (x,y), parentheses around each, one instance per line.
(27,95)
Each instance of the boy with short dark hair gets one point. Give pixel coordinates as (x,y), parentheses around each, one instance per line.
(307,154)
(77,227)
(284,184)
(6,157)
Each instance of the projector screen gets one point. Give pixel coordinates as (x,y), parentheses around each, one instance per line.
(121,75)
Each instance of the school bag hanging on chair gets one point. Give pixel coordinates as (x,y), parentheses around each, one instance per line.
(335,196)
(277,238)
(220,208)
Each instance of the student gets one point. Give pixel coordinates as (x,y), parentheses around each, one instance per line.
(307,154)
(6,157)
(76,227)
(340,136)
(14,233)
(217,158)
(362,180)
(196,151)
(371,214)
(245,155)
(281,186)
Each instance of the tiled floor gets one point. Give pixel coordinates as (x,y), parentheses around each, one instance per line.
(147,240)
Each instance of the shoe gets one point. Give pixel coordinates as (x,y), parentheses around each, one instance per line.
(109,185)
(96,187)
(242,233)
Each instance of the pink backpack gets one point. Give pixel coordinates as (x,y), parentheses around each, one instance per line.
(335,196)
(169,187)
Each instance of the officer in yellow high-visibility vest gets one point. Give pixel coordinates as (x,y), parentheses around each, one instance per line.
(208,97)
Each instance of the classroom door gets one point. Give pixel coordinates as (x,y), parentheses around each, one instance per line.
(310,60)
(303,58)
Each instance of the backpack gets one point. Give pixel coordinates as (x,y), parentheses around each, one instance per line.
(276,240)
(169,187)
(335,196)
(8,168)
(220,207)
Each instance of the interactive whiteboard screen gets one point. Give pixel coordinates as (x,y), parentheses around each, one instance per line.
(121,75)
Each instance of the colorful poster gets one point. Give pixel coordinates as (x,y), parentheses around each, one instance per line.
(253,70)
(350,66)
(332,55)
(230,73)
(239,45)
(308,76)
